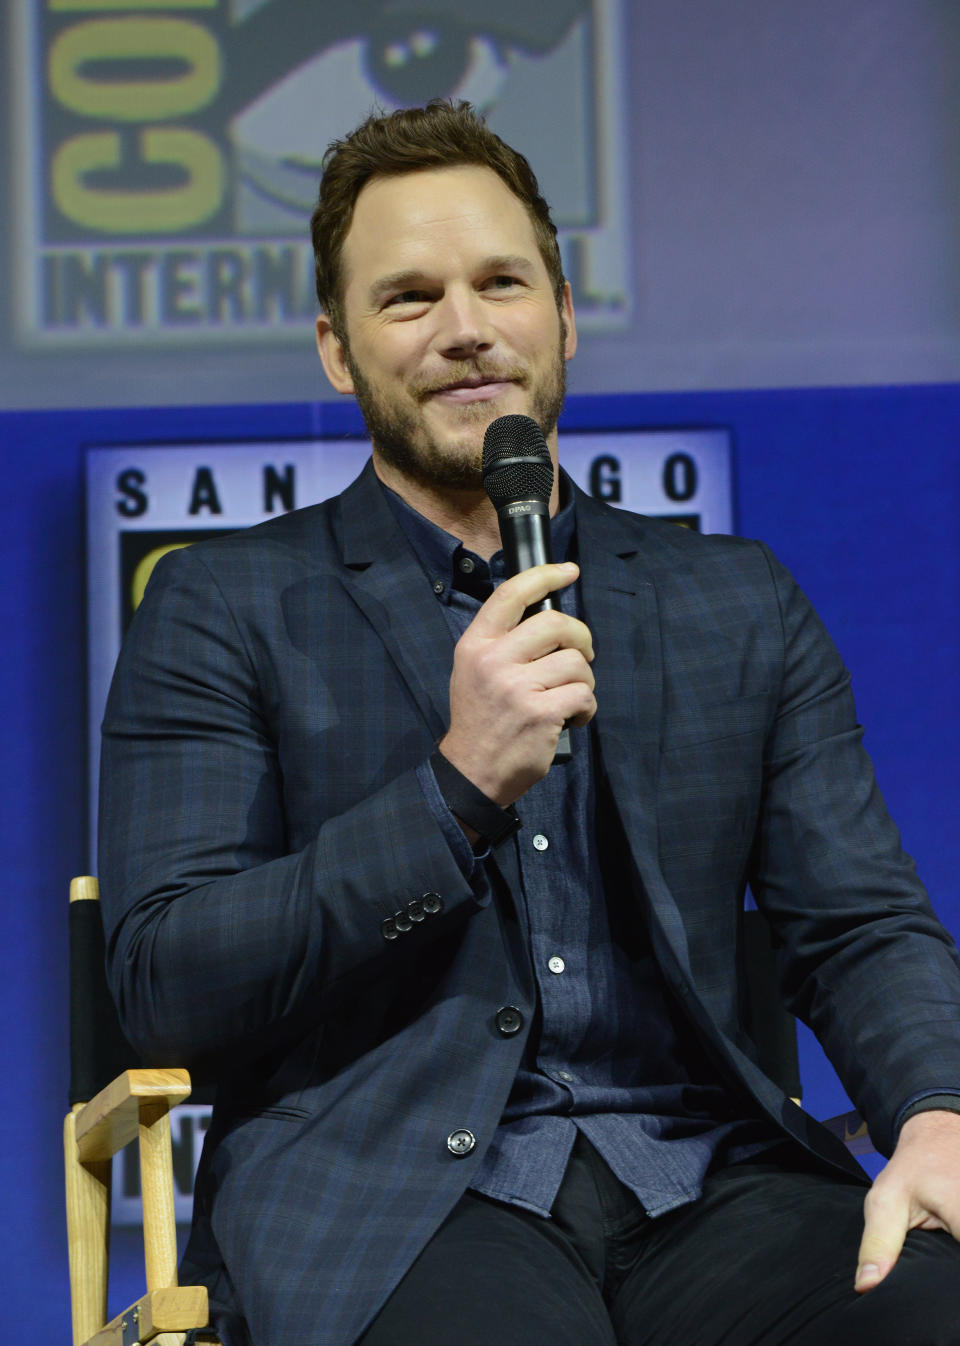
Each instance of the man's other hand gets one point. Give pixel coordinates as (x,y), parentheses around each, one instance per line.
(918,1189)
(516,683)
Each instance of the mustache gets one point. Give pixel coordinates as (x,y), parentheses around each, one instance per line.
(468,369)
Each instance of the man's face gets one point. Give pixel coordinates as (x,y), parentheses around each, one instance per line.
(451,321)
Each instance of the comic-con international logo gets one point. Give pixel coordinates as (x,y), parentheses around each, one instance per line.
(170,149)
(141,550)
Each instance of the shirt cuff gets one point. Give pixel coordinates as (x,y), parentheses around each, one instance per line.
(464,854)
(932,1100)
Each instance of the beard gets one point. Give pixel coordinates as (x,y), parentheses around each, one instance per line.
(402,440)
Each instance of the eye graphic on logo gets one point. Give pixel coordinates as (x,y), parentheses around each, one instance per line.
(404,61)
(317,84)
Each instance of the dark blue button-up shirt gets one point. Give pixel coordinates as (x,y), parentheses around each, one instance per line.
(610,1053)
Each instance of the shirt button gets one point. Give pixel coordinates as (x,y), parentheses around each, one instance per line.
(466,565)
(438,586)
(565,1076)
(556,964)
(540,842)
(461,1142)
(509,1020)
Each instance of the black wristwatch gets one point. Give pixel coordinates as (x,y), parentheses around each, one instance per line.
(471,805)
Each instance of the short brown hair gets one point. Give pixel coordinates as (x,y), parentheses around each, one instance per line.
(443,134)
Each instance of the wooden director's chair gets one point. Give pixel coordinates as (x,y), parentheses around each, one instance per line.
(113,1104)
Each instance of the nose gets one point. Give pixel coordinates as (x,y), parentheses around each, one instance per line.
(464,323)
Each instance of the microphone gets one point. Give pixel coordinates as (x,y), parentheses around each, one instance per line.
(517,475)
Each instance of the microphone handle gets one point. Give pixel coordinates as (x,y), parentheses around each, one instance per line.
(525,534)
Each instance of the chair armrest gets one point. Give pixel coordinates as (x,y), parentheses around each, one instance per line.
(111,1119)
(175,1310)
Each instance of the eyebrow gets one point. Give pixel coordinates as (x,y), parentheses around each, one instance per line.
(397,281)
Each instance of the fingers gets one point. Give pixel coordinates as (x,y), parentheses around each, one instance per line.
(568,701)
(547,656)
(545,632)
(563,666)
(505,607)
(886,1221)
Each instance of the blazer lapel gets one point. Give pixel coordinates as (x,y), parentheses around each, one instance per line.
(620,607)
(384,578)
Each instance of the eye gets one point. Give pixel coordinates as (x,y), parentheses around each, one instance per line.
(504,282)
(408,297)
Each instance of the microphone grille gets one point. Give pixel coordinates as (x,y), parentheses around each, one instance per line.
(516,461)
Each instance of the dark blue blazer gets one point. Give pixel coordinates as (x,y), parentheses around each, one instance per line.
(261,818)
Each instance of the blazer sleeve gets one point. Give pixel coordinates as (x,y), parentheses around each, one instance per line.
(220,939)
(865,961)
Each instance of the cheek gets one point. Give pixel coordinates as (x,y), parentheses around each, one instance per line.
(539,334)
(397,353)
(372,365)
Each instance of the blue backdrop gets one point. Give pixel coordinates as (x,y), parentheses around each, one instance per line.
(856,489)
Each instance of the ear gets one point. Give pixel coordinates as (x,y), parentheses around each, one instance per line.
(332,356)
(569,321)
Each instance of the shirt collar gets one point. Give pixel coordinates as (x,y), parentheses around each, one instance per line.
(449,565)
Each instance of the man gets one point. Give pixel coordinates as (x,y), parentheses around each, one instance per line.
(481,1084)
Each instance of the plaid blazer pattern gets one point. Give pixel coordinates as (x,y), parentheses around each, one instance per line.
(261,818)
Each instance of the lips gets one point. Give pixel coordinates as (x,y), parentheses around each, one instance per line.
(472,390)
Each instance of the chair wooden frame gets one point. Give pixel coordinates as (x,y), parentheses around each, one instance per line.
(134,1106)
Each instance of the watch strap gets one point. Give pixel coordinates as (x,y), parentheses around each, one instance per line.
(471,805)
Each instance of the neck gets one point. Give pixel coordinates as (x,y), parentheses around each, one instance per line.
(465,514)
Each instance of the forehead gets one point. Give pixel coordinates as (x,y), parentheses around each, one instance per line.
(434,218)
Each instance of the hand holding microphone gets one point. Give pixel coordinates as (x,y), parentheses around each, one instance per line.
(518,478)
(516,682)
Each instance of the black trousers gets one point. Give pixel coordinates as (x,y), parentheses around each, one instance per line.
(766,1257)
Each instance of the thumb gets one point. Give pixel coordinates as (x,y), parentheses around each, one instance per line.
(886,1220)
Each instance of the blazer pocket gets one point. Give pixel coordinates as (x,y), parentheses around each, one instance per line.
(711,722)
(279,1113)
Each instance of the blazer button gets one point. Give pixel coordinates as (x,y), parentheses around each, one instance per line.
(509,1020)
(415,910)
(403,922)
(461,1142)
(432,903)
(388,928)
